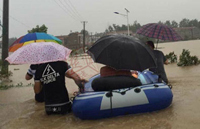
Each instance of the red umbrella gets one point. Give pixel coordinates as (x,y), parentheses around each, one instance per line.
(159,31)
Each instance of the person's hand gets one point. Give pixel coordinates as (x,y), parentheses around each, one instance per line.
(81,84)
(81,89)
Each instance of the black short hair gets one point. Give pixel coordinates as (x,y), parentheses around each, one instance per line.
(150,43)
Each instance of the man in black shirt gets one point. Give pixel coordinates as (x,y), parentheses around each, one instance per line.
(39,97)
(52,77)
(160,60)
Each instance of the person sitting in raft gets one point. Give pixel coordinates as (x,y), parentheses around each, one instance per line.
(111,79)
(52,77)
(109,71)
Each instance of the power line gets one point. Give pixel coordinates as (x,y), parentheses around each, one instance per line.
(17,20)
(75,9)
(69,8)
(66,11)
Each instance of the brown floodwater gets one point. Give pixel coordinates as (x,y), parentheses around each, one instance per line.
(18,110)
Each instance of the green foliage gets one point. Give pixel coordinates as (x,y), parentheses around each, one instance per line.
(186,59)
(86,32)
(174,24)
(172,57)
(189,23)
(5,87)
(133,27)
(3,75)
(1,62)
(4,79)
(42,28)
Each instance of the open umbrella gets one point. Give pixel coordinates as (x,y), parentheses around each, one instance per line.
(37,53)
(159,31)
(31,38)
(122,52)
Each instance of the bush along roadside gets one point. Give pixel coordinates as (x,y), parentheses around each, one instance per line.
(5,87)
(171,57)
(186,59)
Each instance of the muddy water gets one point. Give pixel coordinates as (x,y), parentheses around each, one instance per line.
(18,109)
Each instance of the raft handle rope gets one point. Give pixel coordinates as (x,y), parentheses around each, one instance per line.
(170,86)
(110,94)
(156,85)
(74,94)
(137,90)
(124,92)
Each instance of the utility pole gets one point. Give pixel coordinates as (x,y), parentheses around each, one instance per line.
(0,27)
(84,35)
(127,21)
(126,15)
(5,37)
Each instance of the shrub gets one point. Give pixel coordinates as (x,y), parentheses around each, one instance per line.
(172,57)
(186,60)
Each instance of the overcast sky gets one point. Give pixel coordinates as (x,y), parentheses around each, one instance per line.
(63,16)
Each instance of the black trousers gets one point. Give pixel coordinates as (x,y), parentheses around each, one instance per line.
(58,108)
(40,96)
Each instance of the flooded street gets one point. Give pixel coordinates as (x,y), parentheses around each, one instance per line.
(18,110)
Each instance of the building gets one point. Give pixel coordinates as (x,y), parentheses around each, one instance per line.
(188,33)
(75,40)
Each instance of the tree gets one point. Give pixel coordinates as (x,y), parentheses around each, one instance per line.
(86,32)
(199,24)
(174,24)
(135,26)
(124,27)
(193,23)
(42,28)
(184,23)
(168,23)
(160,22)
(116,27)
(110,28)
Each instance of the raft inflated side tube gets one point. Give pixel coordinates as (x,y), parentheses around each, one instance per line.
(145,98)
(150,96)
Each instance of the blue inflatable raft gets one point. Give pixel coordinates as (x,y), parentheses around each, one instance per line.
(151,96)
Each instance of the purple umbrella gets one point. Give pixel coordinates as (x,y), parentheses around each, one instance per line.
(159,31)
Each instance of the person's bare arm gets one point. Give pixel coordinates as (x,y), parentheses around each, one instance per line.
(37,87)
(73,75)
(28,77)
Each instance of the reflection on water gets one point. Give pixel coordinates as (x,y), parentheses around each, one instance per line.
(19,110)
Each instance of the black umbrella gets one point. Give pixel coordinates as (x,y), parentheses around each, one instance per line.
(122,52)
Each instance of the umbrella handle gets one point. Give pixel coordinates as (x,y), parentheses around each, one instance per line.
(157,44)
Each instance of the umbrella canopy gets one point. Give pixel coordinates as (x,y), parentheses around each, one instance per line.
(31,38)
(37,53)
(122,52)
(159,31)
